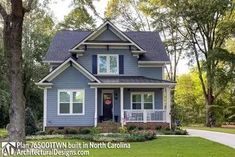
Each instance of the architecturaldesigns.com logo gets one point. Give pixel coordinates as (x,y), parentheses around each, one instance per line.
(9,148)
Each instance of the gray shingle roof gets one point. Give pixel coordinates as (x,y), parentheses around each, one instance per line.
(65,40)
(130,79)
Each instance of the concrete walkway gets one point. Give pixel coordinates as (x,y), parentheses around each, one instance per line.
(223,138)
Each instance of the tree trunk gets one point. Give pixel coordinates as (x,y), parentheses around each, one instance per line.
(12,46)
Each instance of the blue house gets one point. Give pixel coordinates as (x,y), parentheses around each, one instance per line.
(106,75)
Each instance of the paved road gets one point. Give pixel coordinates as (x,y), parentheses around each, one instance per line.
(223,138)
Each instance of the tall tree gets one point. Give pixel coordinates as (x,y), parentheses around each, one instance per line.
(206,25)
(12,42)
(78,19)
(127,14)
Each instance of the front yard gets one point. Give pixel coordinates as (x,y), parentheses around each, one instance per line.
(162,147)
(217,129)
(168,147)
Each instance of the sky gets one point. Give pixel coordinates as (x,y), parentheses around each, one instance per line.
(60,8)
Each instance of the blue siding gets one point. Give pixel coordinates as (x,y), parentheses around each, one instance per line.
(71,78)
(130,63)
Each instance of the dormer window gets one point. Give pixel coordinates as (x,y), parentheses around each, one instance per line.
(108,64)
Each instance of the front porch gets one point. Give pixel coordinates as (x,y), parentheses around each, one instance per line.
(116,104)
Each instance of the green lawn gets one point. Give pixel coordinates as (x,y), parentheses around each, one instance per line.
(225,130)
(163,147)
(3,133)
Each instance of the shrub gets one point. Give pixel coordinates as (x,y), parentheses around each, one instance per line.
(95,130)
(50,131)
(140,128)
(40,133)
(30,122)
(122,130)
(147,134)
(71,131)
(59,132)
(158,127)
(181,132)
(85,131)
(131,127)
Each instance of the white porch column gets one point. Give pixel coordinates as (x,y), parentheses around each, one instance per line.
(95,116)
(44,109)
(168,105)
(121,106)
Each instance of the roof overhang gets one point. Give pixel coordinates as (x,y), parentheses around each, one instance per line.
(67,63)
(133,85)
(153,63)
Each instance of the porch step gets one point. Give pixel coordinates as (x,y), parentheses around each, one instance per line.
(109,126)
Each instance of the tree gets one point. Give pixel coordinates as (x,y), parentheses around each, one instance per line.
(78,19)
(12,43)
(36,39)
(207,25)
(189,98)
(127,14)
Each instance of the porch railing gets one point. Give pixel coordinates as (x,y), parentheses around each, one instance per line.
(144,116)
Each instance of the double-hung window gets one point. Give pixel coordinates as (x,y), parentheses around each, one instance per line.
(108,64)
(142,100)
(71,102)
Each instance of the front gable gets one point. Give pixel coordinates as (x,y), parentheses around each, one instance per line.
(107,36)
(47,80)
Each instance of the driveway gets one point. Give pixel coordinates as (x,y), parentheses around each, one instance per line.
(223,138)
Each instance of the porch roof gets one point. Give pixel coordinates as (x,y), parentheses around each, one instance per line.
(128,81)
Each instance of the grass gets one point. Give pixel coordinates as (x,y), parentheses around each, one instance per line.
(217,129)
(3,133)
(163,146)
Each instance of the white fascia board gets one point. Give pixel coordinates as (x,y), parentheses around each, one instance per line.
(154,62)
(52,62)
(138,52)
(76,51)
(64,66)
(100,28)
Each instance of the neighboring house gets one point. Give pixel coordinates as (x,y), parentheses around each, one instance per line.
(106,75)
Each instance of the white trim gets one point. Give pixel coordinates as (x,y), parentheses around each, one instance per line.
(52,61)
(63,67)
(142,100)
(44,109)
(138,52)
(70,102)
(122,105)
(168,106)
(96,106)
(100,28)
(153,62)
(150,65)
(108,64)
(102,103)
(44,84)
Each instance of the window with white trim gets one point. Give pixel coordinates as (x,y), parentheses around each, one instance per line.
(108,64)
(142,100)
(71,102)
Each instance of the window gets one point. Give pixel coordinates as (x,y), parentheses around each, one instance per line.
(108,64)
(71,102)
(142,101)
